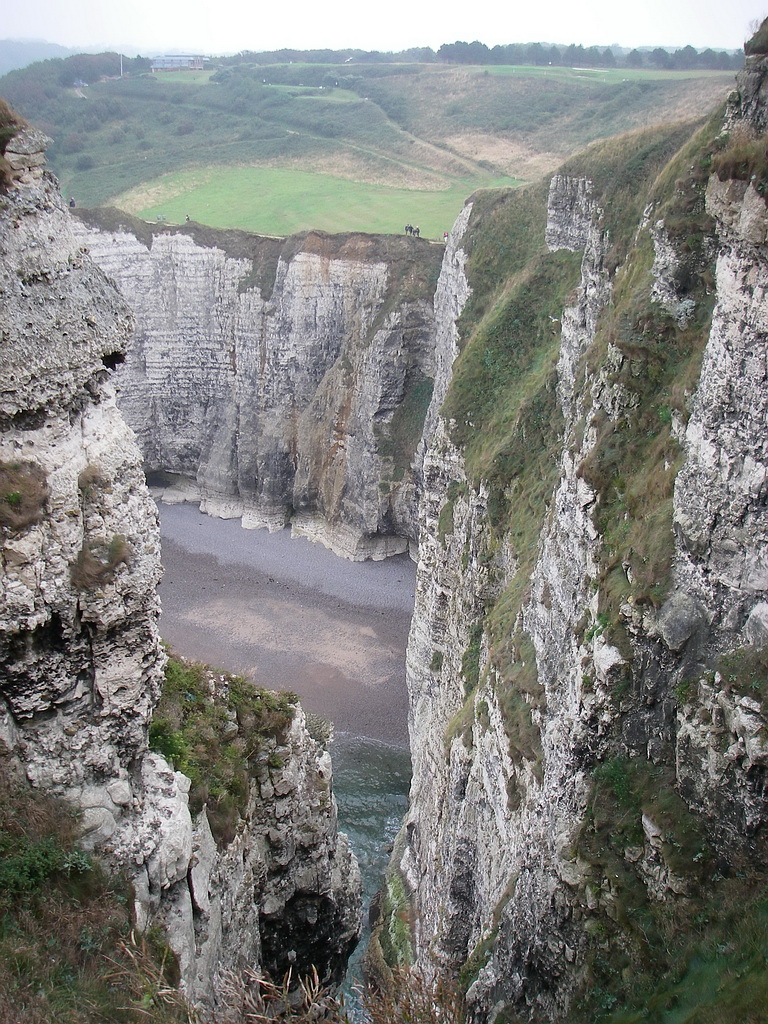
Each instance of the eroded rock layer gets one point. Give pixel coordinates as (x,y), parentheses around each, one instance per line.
(587,660)
(288,379)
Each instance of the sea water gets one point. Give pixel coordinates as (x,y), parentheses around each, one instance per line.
(371,782)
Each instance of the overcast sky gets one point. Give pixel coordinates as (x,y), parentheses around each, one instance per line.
(227,26)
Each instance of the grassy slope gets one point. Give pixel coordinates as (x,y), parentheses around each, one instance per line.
(277,201)
(526,120)
(68,949)
(391,144)
(702,958)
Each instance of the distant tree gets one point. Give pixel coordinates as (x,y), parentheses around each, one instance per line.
(574,56)
(417,55)
(707,59)
(660,58)
(536,54)
(634,59)
(685,58)
(512,53)
(608,58)
(554,56)
(592,57)
(718,60)
(464,53)
(88,67)
(136,65)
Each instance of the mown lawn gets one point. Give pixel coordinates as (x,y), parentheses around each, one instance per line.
(277,201)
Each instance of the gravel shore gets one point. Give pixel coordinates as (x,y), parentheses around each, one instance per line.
(291,615)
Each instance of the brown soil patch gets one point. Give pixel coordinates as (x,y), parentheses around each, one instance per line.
(510,155)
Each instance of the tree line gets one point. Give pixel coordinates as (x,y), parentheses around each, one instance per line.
(574,55)
(537,54)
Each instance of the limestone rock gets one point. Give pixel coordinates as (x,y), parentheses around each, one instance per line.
(274,374)
(80,656)
(492,850)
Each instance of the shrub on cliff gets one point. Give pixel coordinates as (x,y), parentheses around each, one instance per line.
(10,124)
(745,158)
(23,493)
(215,727)
(758,44)
(98,560)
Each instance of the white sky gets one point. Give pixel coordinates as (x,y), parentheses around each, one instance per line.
(226,26)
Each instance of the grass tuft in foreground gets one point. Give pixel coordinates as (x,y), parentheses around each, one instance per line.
(67,951)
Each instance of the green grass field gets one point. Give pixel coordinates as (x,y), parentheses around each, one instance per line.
(193,77)
(276,201)
(281,148)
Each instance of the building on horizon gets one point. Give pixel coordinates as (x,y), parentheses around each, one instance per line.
(179,62)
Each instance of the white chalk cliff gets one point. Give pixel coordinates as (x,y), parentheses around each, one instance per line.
(607,759)
(285,380)
(587,661)
(81,662)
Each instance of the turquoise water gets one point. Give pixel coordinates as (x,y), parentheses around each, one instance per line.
(371,782)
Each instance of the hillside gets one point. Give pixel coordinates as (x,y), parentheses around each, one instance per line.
(18,53)
(586,837)
(413,139)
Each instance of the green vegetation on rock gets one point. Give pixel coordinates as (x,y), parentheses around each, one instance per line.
(23,494)
(10,123)
(217,728)
(67,949)
(633,465)
(98,560)
(501,402)
(698,955)
(745,672)
(398,440)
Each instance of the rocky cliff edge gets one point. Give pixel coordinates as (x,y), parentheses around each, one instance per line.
(587,663)
(81,664)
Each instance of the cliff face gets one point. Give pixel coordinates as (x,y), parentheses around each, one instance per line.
(282,893)
(81,663)
(587,661)
(81,559)
(288,379)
